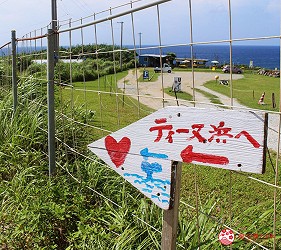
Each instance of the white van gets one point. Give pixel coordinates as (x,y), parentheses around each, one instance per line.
(166,68)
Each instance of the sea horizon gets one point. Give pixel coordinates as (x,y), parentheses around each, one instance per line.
(263,56)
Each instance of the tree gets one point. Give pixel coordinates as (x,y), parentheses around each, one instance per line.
(171,56)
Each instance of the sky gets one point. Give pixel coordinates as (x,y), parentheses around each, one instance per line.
(210,21)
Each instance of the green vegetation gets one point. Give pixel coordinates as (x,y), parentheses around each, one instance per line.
(186,96)
(249,89)
(64,213)
(89,69)
(190,70)
(152,76)
(180,95)
(93,66)
(213,98)
(70,211)
(112,109)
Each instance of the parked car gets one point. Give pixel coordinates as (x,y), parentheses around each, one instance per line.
(166,68)
(226,69)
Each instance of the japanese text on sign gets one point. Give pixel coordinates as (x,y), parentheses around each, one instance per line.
(142,151)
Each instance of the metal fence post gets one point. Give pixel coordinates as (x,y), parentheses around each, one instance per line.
(54,26)
(51,102)
(14,71)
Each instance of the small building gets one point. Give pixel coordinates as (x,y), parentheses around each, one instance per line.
(151,60)
(187,62)
(45,61)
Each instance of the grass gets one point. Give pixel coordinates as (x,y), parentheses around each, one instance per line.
(186,96)
(112,109)
(178,69)
(251,201)
(249,209)
(61,213)
(213,98)
(152,76)
(180,95)
(215,180)
(249,89)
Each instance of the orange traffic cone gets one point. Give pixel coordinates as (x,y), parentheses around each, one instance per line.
(261,99)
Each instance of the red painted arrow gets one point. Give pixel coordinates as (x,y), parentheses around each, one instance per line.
(189,156)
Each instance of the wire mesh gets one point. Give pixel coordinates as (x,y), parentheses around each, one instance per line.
(97,97)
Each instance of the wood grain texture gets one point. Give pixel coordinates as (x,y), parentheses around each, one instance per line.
(142,151)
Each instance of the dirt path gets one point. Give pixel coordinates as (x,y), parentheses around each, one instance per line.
(152,91)
(150,94)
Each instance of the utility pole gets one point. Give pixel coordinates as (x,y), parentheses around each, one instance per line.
(121,44)
(140,43)
(54,27)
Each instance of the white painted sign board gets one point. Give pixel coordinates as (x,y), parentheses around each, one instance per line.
(177,84)
(142,152)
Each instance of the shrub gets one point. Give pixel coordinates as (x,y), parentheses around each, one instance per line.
(36,68)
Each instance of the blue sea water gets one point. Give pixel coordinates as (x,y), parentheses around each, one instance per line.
(262,56)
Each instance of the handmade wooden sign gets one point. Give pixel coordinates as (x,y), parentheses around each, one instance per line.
(142,152)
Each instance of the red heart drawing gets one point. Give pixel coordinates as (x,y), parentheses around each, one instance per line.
(117,150)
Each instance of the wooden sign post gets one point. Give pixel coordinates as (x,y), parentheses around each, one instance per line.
(273,100)
(170,217)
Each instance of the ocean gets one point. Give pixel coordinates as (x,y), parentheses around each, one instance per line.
(267,57)
(262,56)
